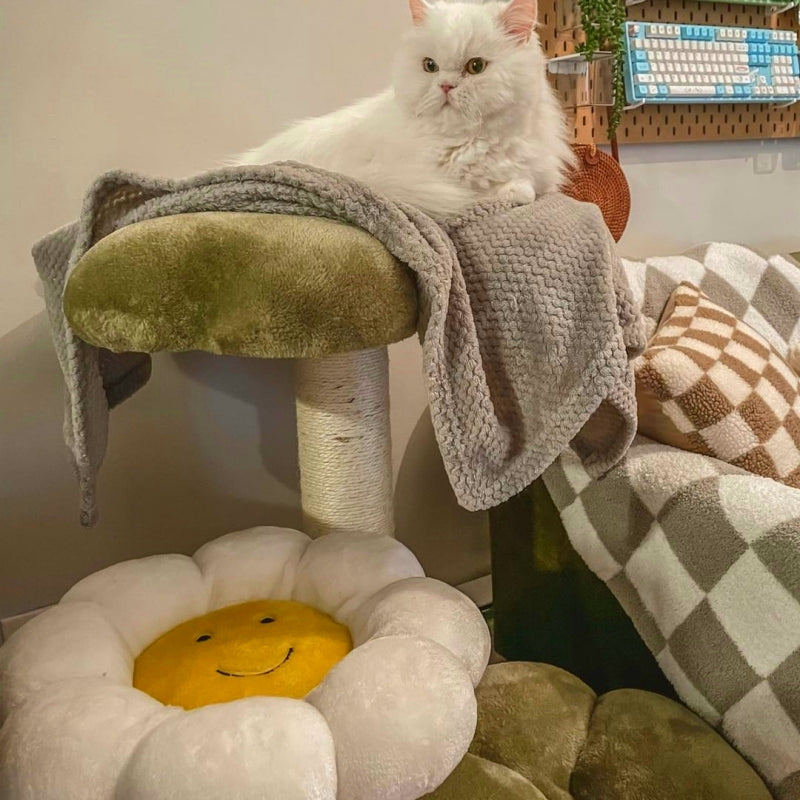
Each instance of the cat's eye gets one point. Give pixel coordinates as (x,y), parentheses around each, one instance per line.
(204,638)
(267,620)
(476,65)
(429,65)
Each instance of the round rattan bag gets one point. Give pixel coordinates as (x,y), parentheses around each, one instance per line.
(599,179)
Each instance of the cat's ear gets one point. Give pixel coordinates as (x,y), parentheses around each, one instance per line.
(419,10)
(519,18)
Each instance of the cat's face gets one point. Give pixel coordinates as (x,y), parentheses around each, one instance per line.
(467,61)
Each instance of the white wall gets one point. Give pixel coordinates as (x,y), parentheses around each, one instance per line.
(685,194)
(171,87)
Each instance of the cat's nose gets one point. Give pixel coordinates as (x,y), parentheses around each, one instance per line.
(447,87)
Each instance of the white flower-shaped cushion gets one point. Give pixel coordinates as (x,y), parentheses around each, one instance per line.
(388,722)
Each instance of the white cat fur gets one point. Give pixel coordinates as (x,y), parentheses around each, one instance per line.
(499,134)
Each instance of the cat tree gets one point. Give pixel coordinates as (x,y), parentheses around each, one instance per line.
(327,295)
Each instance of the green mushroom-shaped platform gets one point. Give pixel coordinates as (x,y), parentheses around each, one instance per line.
(263,285)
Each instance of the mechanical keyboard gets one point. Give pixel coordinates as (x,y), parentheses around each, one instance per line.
(670,63)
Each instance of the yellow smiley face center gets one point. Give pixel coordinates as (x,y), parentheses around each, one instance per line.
(267,647)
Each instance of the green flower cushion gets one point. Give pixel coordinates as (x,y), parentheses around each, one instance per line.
(544,735)
(264,285)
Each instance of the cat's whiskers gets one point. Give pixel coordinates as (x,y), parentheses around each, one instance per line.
(468,106)
(431,102)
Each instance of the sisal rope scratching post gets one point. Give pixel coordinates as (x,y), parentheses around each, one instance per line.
(344,443)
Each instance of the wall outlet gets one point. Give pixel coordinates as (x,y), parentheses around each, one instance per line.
(11,624)
(765,163)
(791,158)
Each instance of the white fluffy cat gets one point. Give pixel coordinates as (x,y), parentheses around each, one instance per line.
(470,115)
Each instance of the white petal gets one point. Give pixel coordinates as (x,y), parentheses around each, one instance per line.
(69,641)
(340,571)
(431,609)
(261,748)
(251,565)
(72,740)
(145,597)
(403,713)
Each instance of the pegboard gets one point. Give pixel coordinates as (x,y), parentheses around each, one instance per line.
(559,31)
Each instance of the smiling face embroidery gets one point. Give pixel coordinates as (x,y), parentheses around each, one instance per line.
(228,674)
(266,647)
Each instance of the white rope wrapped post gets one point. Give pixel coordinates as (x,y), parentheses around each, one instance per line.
(344,443)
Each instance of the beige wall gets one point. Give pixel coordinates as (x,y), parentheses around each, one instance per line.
(171,87)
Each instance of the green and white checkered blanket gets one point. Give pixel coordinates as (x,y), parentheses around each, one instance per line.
(703,556)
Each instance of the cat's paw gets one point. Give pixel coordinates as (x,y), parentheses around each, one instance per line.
(519,192)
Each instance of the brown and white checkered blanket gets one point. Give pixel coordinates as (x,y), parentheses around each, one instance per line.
(703,556)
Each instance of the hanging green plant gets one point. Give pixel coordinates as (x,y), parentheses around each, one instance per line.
(602,22)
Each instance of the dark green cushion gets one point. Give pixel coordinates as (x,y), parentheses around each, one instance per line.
(263,285)
(544,735)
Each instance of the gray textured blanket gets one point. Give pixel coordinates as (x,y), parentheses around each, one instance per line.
(527,324)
